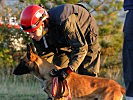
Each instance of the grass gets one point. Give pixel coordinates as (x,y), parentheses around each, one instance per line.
(21,91)
(21,88)
(28,88)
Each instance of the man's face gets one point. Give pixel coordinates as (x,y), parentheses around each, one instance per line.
(37,34)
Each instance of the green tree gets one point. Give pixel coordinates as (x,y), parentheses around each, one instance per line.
(110,30)
(8,35)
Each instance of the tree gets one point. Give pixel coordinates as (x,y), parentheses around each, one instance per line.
(110,31)
(8,35)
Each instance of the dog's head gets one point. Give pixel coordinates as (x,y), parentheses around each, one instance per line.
(27,64)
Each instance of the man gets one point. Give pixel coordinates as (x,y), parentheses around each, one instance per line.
(128,49)
(66,35)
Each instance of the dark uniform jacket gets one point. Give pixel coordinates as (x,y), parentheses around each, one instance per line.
(128,42)
(128,5)
(72,29)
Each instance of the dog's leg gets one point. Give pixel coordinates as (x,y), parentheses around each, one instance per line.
(49,98)
(116,94)
(112,93)
(49,94)
(48,89)
(45,86)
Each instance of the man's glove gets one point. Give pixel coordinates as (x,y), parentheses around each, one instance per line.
(61,74)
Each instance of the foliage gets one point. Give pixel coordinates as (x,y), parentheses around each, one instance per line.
(8,35)
(110,30)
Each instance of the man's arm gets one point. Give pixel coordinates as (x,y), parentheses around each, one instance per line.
(77,41)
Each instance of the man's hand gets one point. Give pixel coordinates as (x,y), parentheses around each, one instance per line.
(61,74)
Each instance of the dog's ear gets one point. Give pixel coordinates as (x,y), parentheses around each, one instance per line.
(21,68)
(30,52)
(32,48)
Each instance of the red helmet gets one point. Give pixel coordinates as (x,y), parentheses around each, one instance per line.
(32,17)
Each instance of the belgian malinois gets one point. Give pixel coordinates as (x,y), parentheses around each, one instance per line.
(80,87)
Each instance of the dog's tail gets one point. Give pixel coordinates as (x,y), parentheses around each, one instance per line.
(123,90)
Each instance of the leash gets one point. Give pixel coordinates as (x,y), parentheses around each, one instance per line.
(54,86)
(58,88)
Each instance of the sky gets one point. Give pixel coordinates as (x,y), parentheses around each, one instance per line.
(11,2)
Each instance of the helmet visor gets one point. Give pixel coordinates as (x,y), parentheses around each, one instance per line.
(33,26)
(29,27)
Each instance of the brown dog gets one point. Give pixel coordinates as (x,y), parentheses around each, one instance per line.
(80,87)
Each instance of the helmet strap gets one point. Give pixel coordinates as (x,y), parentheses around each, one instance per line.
(45,30)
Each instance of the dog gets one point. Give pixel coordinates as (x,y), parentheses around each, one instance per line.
(79,87)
